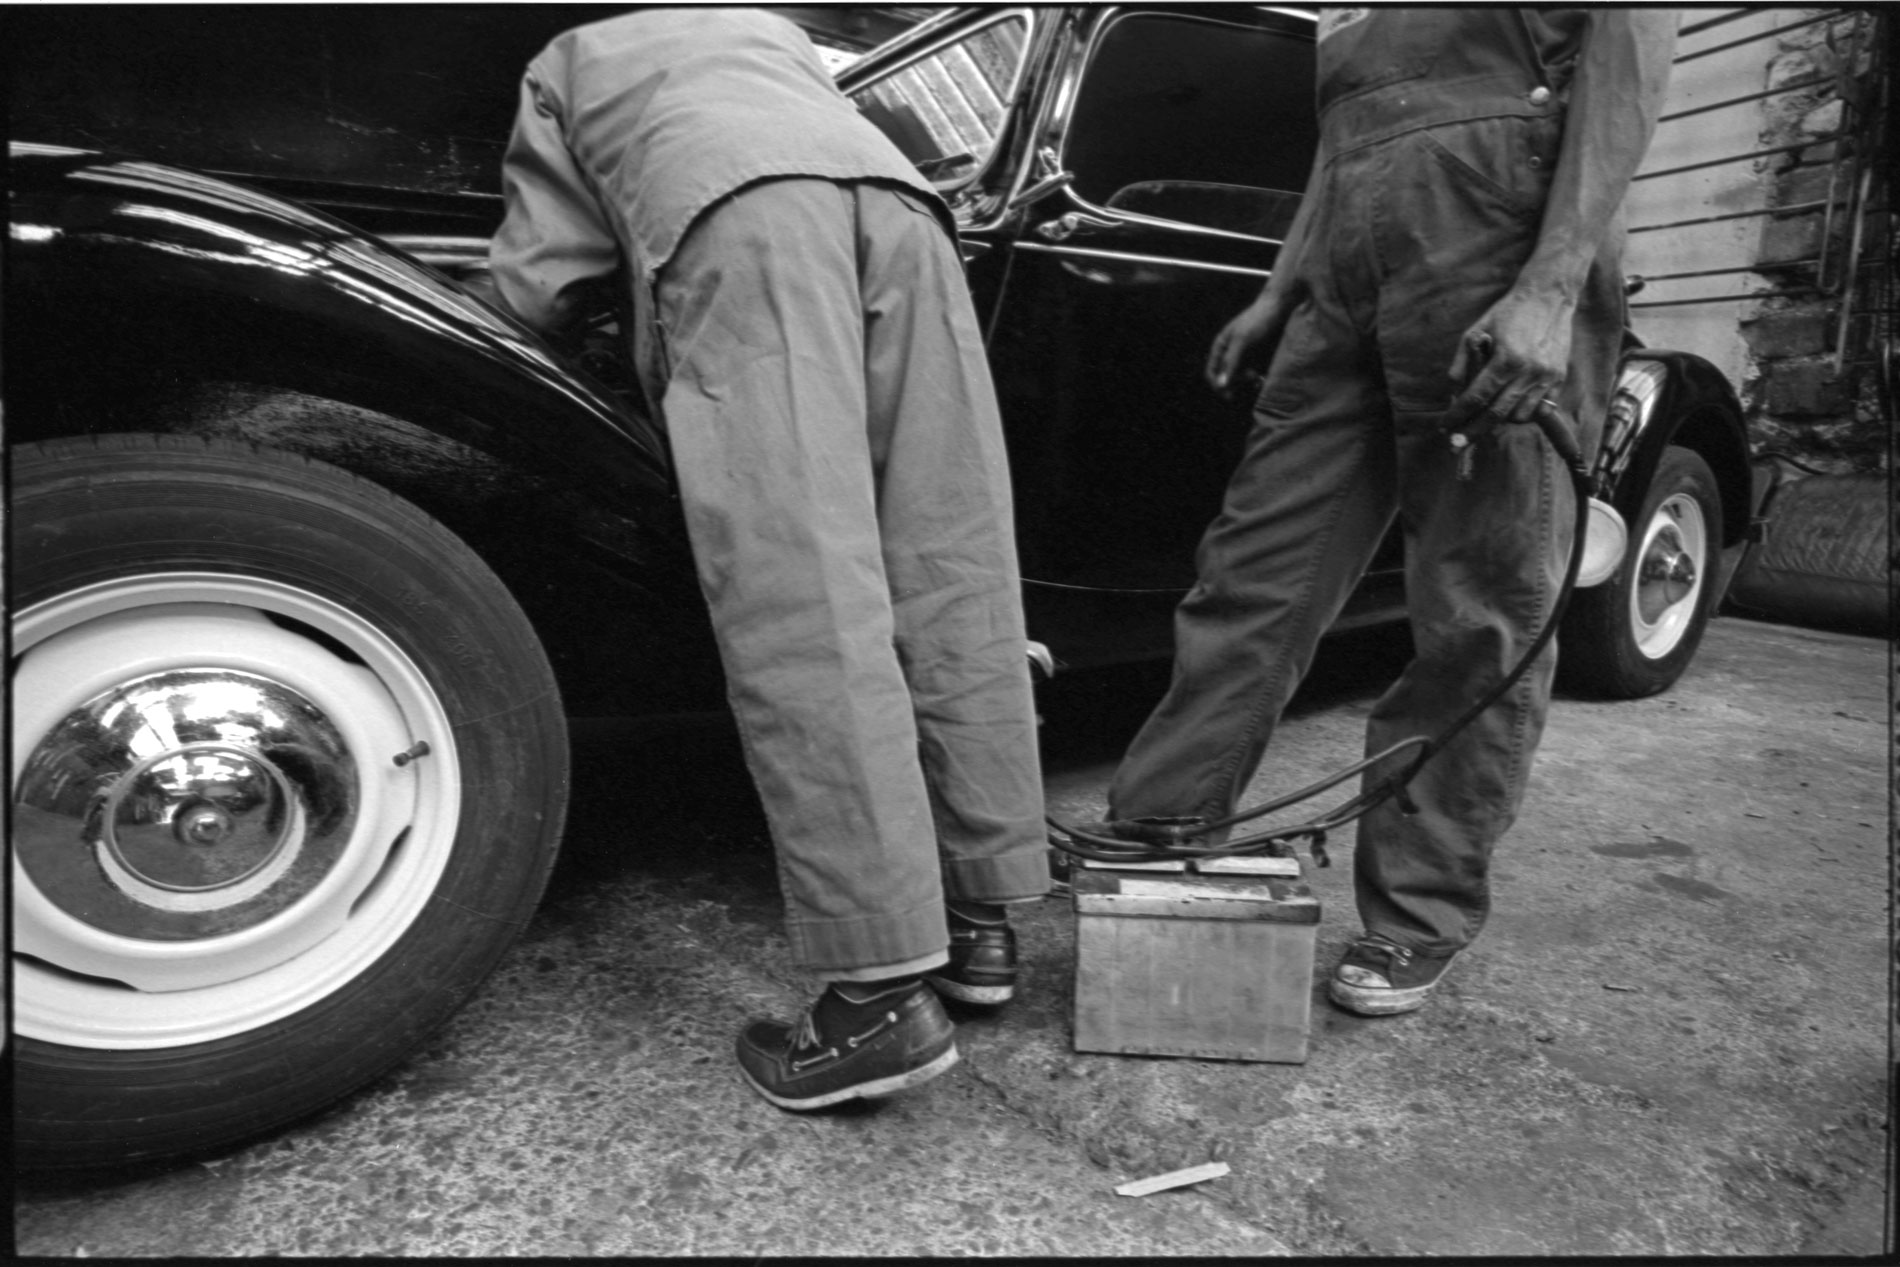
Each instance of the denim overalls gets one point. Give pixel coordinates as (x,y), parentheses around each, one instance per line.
(1440,130)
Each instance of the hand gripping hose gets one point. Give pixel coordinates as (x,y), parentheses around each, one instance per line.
(1168,839)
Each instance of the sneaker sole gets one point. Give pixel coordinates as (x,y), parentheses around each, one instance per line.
(863,1090)
(964,993)
(1369,1002)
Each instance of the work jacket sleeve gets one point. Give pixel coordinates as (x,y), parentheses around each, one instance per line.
(554,240)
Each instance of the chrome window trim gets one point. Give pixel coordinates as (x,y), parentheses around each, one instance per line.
(1161,222)
(1130,257)
(955,32)
(1052,129)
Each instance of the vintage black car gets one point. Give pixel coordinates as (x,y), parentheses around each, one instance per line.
(314,554)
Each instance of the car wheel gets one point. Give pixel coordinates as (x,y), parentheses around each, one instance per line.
(1634,634)
(289,773)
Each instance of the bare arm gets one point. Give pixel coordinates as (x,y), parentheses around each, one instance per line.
(1622,73)
(1252,334)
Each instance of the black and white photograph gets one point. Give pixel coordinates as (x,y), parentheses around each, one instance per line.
(1012,631)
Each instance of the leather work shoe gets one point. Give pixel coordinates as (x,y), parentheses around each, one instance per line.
(982,967)
(849,1045)
(1379,977)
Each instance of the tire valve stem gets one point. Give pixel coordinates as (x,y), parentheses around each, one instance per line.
(420,750)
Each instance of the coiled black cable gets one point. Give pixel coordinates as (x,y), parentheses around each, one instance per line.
(1175,839)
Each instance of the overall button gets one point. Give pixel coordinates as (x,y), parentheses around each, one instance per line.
(1539,96)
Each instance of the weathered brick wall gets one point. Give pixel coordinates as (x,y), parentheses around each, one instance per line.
(1799,400)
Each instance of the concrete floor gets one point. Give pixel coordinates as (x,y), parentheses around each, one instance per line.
(1672,1039)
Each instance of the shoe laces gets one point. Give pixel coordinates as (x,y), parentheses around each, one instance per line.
(805,1029)
(805,1034)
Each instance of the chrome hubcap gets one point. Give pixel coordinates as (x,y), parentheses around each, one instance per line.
(214,823)
(1668,574)
(1668,578)
(186,804)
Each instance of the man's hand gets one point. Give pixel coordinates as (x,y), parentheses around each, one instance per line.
(1512,359)
(1247,340)
(1245,346)
(1614,99)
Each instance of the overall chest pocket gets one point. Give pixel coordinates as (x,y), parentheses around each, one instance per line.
(1505,161)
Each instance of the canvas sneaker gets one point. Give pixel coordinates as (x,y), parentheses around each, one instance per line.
(852,1043)
(1379,977)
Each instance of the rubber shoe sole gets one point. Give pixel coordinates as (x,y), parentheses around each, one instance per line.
(862,1091)
(963,992)
(888,1043)
(982,965)
(1369,994)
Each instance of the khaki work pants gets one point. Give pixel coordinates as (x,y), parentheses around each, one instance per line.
(841,463)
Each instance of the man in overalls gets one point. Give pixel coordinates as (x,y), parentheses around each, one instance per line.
(1464,200)
(803,329)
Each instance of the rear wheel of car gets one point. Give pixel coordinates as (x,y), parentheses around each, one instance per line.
(289,773)
(1634,634)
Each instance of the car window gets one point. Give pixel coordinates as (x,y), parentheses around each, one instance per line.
(945,110)
(1195,119)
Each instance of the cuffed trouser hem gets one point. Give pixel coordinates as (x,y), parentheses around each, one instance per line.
(830,945)
(908,968)
(865,949)
(1016,877)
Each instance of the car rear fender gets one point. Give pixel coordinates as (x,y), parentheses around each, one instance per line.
(1666,398)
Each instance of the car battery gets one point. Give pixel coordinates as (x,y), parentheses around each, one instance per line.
(1215,961)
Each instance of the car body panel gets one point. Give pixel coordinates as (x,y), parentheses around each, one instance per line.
(1132,204)
(83,224)
(146,297)
(1128,201)
(1666,397)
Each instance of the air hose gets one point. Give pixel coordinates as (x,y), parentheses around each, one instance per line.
(1176,839)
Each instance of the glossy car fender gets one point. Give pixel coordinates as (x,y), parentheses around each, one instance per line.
(174,273)
(149,298)
(1668,398)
